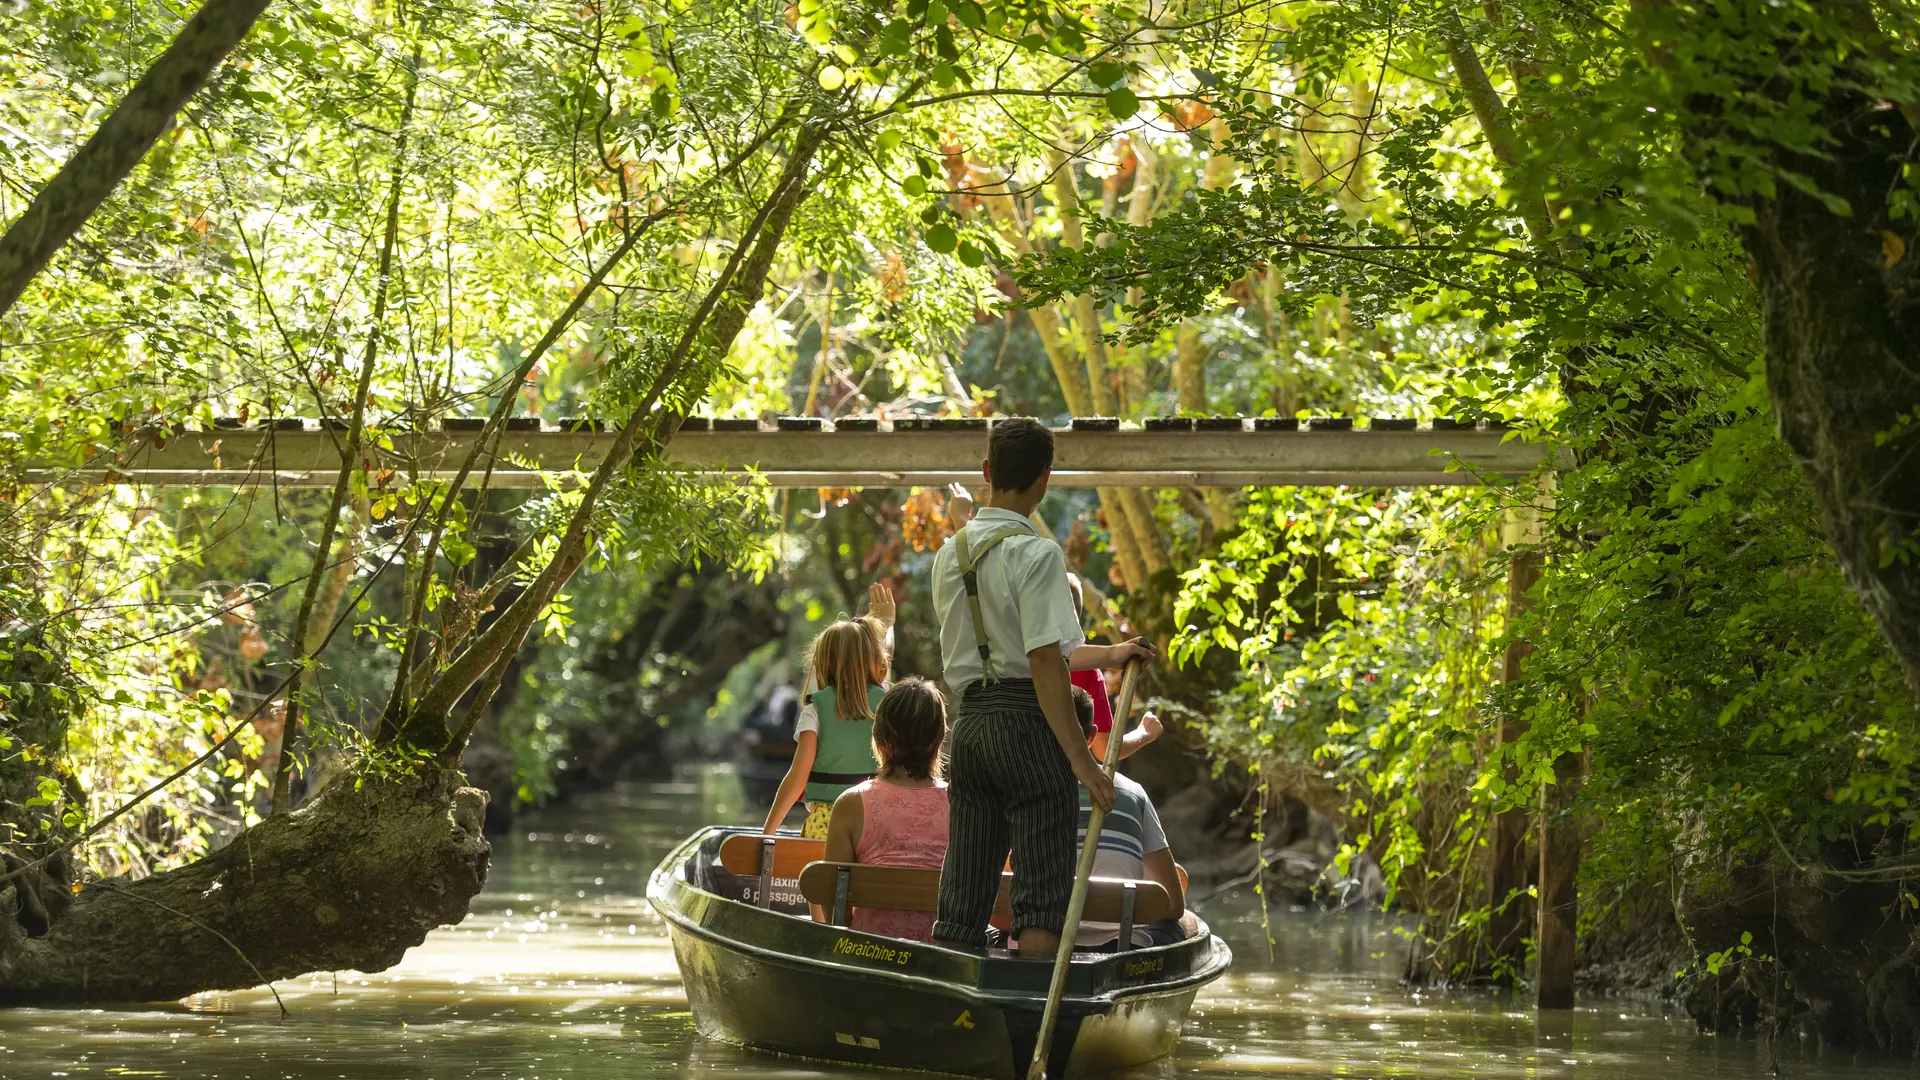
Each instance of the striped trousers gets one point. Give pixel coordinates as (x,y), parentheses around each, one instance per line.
(1008,786)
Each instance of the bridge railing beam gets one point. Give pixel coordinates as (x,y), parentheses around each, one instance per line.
(806,459)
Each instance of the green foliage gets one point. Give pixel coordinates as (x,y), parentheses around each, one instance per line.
(99,697)
(232,277)
(1365,625)
(1694,635)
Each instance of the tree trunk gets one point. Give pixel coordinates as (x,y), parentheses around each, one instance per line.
(1829,956)
(1190,353)
(1124,534)
(1841,303)
(1126,553)
(88,177)
(1132,367)
(1153,548)
(1054,338)
(351,880)
(1306,154)
(1129,520)
(1491,113)
(346,561)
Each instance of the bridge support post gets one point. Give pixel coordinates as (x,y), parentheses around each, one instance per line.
(1509,872)
(1559,871)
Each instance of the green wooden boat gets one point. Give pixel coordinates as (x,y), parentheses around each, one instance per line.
(770,978)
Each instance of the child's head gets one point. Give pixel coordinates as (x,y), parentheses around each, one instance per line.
(1083,712)
(909,728)
(849,656)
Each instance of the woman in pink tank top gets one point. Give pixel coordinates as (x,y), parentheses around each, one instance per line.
(898,818)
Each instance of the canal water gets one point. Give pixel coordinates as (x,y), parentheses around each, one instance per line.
(561,970)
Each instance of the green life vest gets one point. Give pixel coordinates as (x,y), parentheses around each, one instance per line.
(844,755)
(845,750)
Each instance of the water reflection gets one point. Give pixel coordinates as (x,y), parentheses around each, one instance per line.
(563,971)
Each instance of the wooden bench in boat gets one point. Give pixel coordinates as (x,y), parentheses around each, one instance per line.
(840,886)
(745,855)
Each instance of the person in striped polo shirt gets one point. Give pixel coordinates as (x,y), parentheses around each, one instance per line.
(1132,845)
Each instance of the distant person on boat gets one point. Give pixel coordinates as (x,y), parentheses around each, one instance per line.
(1132,846)
(847,666)
(1007,626)
(1089,664)
(898,818)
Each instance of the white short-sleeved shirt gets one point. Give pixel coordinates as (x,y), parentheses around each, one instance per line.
(1023,600)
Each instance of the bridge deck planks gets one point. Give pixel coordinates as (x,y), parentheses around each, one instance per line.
(806,459)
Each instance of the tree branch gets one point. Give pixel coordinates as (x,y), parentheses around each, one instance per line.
(744,278)
(85,181)
(1491,112)
(350,454)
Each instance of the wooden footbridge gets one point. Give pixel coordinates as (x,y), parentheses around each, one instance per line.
(805,452)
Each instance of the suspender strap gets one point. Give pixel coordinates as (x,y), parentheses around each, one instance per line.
(969,562)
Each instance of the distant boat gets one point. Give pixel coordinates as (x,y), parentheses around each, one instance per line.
(765,748)
(759,972)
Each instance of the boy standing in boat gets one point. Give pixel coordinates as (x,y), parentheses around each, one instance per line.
(1007,625)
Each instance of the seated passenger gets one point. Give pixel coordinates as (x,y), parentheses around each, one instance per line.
(898,818)
(1132,845)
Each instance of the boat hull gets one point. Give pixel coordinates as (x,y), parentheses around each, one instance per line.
(767,980)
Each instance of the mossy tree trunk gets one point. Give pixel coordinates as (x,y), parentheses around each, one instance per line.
(1835,949)
(352,880)
(1841,296)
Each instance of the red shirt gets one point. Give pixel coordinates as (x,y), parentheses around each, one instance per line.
(1094,682)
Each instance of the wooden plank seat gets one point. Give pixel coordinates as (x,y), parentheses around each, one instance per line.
(839,886)
(740,854)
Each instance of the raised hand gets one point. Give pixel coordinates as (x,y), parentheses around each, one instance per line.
(959,504)
(880,602)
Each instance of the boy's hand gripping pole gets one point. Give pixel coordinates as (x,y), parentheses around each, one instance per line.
(1063,960)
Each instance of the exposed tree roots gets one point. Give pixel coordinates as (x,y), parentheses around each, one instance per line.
(1833,958)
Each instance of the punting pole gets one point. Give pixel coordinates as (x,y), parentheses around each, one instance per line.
(1077,903)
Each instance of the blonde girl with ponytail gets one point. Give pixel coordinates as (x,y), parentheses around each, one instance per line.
(847,667)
